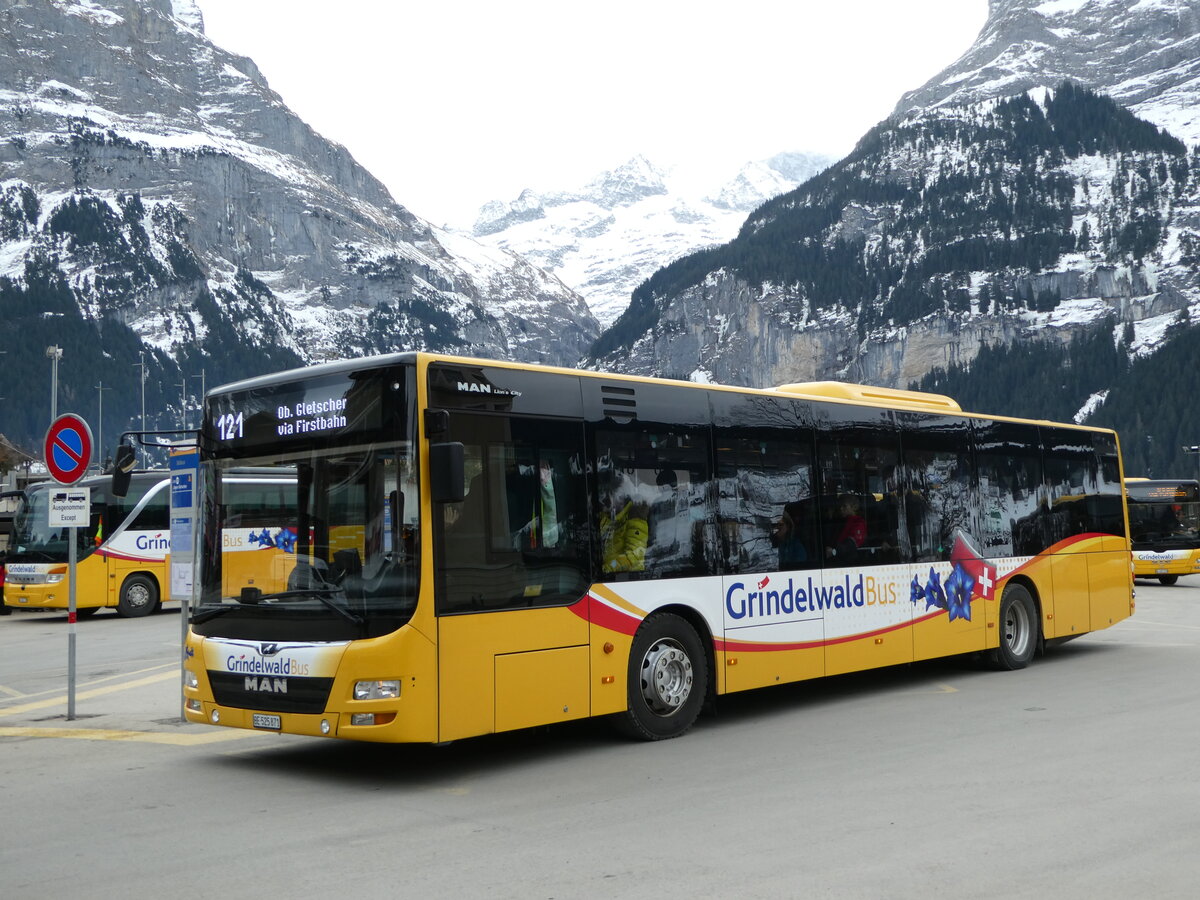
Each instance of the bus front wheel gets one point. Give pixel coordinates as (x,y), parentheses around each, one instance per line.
(1168,580)
(668,679)
(1018,629)
(139,596)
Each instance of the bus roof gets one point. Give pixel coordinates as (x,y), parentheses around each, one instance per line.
(865,393)
(829,391)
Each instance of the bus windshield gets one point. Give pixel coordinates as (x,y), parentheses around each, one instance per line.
(35,540)
(1164,516)
(313,538)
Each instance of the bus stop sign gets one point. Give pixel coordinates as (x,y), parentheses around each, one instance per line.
(67,450)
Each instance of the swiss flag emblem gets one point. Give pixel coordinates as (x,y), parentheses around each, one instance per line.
(964,554)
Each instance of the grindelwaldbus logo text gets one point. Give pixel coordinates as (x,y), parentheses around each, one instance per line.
(806,596)
(256,665)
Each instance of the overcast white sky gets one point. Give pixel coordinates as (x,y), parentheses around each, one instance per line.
(452,103)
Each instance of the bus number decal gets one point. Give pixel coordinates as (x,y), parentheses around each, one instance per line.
(229,426)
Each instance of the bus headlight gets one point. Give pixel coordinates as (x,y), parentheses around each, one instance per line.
(377,690)
(54,579)
(189,679)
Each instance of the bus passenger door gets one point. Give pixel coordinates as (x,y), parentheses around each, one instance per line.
(512,566)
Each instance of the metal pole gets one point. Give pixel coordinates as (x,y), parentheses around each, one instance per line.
(100,389)
(200,401)
(54,352)
(141,364)
(72,556)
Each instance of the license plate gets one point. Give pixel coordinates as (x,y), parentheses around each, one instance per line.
(264,721)
(1160,571)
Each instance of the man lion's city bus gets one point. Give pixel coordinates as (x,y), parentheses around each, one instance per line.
(1164,527)
(121,556)
(472,547)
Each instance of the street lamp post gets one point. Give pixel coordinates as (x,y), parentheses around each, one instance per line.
(54,353)
(141,364)
(100,389)
(200,403)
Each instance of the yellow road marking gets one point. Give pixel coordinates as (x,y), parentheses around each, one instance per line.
(114,734)
(85,695)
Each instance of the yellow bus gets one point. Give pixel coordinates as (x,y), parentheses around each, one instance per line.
(481,546)
(1164,527)
(121,557)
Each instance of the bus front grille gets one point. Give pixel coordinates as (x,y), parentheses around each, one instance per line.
(270,693)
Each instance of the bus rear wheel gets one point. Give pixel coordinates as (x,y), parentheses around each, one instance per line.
(1168,580)
(668,679)
(1019,629)
(139,596)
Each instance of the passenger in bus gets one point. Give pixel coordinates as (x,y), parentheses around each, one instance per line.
(536,507)
(853,532)
(786,537)
(624,538)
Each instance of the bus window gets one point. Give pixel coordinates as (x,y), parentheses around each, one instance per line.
(857,454)
(653,487)
(520,536)
(937,484)
(1009,465)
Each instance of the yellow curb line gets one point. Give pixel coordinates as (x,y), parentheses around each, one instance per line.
(87,695)
(113,734)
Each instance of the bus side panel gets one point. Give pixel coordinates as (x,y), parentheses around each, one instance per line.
(936,635)
(1109,578)
(1071,600)
(467,669)
(874,626)
(541,686)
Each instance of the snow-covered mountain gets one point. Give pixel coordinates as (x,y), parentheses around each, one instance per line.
(605,238)
(1145,54)
(1000,205)
(155,190)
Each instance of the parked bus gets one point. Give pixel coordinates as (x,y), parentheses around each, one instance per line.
(485,546)
(1164,527)
(121,555)
(10,503)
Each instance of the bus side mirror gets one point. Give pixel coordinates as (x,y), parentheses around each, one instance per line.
(124,461)
(447,473)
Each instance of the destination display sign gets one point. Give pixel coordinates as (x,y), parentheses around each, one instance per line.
(315,410)
(1167,492)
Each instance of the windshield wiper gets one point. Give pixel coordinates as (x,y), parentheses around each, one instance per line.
(204,615)
(321,594)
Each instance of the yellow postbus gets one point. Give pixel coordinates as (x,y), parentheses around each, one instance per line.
(121,557)
(1164,527)
(478,546)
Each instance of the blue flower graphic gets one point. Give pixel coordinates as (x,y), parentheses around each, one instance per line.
(915,591)
(958,588)
(934,595)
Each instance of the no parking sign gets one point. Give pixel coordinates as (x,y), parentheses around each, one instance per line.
(67,450)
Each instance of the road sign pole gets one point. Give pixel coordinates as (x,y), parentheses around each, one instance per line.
(72,558)
(67,452)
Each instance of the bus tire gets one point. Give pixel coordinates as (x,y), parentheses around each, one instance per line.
(668,679)
(1168,580)
(1019,629)
(139,596)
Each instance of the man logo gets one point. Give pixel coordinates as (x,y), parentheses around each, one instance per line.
(265,685)
(268,649)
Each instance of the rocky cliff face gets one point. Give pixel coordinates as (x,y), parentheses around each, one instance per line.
(172,193)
